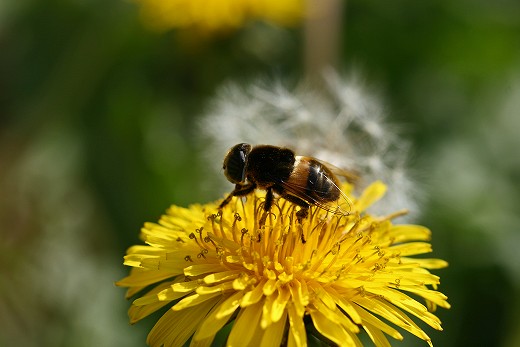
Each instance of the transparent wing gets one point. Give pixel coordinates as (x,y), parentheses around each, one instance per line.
(341,206)
(324,192)
(350,176)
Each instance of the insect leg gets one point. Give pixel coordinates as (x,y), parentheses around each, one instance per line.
(268,203)
(268,199)
(239,190)
(301,214)
(304,211)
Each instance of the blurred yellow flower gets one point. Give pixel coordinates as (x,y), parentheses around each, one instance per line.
(352,273)
(218,15)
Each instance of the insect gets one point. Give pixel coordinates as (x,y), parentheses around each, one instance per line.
(304,181)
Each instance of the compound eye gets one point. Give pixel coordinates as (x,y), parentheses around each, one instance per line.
(235,163)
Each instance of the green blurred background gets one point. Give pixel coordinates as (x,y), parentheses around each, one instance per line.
(98,134)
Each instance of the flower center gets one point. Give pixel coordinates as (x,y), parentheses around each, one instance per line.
(274,245)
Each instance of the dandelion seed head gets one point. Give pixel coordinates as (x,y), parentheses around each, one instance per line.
(343,124)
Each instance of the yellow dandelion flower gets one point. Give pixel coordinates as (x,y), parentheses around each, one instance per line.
(353,273)
(217,15)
